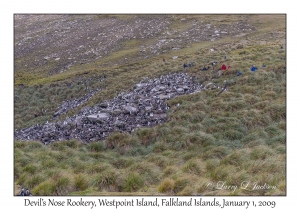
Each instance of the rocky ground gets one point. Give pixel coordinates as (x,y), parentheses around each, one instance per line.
(55,43)
(144,106)
(61,41)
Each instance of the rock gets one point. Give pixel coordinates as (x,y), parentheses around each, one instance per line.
(116,112)
(171,95)
(148,108)
(144,106)
(154,89)
(119,124)
(103,105)
(159,116)
(98,117)
(185,87)
(162,97)
(140,86)
(107,110)
(179,89)
(78,120)
(161,88)
(56,114)
(130,109)
(127,95)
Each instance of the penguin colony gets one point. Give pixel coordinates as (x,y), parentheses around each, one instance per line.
(144,106)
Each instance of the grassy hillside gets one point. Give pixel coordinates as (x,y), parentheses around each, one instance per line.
(235,137)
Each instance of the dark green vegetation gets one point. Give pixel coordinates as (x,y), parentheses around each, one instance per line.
(238,136)
(37,103)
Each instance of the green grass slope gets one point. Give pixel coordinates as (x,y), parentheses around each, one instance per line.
(239,136)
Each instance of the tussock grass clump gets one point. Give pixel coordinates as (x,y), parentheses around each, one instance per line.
(59,184)
(268,166)
(95,155)
(23,160)
(109,180)
(159,146)
(189,155)
(256,143)
(238,177)
(120,163)
(222,172)
(235,158)
(211,164)
(57,146)
(63,183)
(235,106)
(138,151)
(45,188)
(261,105)
(80,166)
(273,130)
(206,140)
(22,178)
(280,139)
(202,185)
(276,111)
(188,190)
(30,168)
(233,134)
(281,149)
(80,182)
(150,172)
(17,171)
(170,170)
(96,147)
(192,167)
(74,144)
(34,181)
(159,160)
(48,163)
(146,135)
(282,186)
(260,153)
(95,168)
(132,182)
(215,152)
(120,141)
(20,144)
(167,186)
(59,157)
(33,146)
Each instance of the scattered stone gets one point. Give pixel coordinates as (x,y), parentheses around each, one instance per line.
(98,117)
(130,109)
(144,106)
(103,105)
(180,89)
(88,39)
